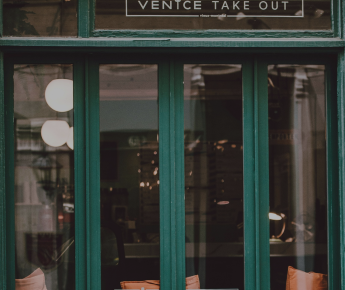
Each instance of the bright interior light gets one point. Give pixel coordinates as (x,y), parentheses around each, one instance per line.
(59,95)
(55,133)
(275,217)
(223,202)
(70,140)
(240,15)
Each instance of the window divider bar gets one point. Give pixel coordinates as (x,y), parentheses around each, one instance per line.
(332,180)
(8,231)
(171,164)
(340,156)
(80,174)
(248,175)
(85,17)
(261,175)
(180,173)
(336,18)
(165,206)
(3,184)
(93,220)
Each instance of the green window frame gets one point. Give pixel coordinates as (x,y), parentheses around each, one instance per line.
(171,131)
(86,10)
(86,28)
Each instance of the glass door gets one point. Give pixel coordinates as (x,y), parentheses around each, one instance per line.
(132,219)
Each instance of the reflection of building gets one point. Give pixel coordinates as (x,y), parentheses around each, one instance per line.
(149,183)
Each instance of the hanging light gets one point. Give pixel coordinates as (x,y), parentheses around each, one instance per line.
(70,141)
(59,95)
(55,133)
(275,217)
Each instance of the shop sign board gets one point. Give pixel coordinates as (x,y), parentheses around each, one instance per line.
(214,8)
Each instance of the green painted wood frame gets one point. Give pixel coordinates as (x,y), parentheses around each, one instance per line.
(171,152)
(86,27)
(171,131)
(83,198)
(86,10)
(334,144)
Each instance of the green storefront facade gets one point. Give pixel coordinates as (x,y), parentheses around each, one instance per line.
(255,54)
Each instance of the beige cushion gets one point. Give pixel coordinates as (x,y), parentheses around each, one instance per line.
(191,283)
(35,281)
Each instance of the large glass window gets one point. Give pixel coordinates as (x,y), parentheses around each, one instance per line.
(298,184)
(214,229)
(40,18)
(44,177)
(214,175)
(129,174)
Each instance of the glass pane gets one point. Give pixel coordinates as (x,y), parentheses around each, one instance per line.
(129,173)
(40,18)
(298,185)
(196,15)
(214,175)
(44,176)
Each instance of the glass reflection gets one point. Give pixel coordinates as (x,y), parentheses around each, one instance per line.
(298,186)
(40,18)
(224,15)
(129,173)
(44,181)
(214,175)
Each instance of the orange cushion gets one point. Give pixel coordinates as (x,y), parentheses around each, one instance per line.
(191,283)
(299,280)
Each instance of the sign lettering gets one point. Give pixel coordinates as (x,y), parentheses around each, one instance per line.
(214,8)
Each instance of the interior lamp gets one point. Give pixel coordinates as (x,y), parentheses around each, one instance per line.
(55,133)
(277,217)
(274,217)
(59,95)
(70,141)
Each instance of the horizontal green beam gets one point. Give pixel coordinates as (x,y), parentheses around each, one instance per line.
(172,42)
(215,33)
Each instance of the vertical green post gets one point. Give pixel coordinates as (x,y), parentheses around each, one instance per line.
(93,205)
(80,174)
(9,174)
(180,231)
(3,266)
(171,161)
(248,175)
(166,266)
(261,175)
(341,158)
(332,180)
(1,18)
(337,17)
(85,17)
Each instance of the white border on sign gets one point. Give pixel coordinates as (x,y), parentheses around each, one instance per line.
(242,16)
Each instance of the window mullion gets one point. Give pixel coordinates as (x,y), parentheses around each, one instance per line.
(85,18)
(93,220)
(7,231)
(248,175)
(333,211)
(171,156)
(261,158)
(179,169)
(80,174)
